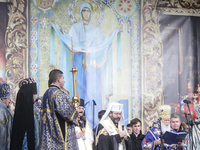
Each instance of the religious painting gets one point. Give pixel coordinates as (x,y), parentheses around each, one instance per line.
(92,57)
(100,36)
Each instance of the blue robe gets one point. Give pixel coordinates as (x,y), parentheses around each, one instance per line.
(195,138)
(6,121)
(58,117)
(36,129)
(153,134)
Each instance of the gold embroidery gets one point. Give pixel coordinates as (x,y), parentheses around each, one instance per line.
(97,137)
(65,145)
(156,125)
(105,133)
(44,118)
(4,122)
(110,126)
(72,116)
(60,131)
(50,110)
(156,131)
(3,91)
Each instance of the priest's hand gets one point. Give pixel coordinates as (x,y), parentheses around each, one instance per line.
(157,142)
(180,144)
(122,134)
(79,135)
(126,137)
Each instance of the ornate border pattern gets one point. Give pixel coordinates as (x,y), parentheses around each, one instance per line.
(16,39)
(152,84)
(130,23)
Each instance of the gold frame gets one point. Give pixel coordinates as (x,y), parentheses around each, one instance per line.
(17,46)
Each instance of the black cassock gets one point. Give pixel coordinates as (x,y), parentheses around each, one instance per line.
(104,141)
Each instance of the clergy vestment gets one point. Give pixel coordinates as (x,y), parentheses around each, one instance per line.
(58,117)
(5,126)
(153,134)
(108,138)
(23,121)
(36,113)
(193,138)
(85,144)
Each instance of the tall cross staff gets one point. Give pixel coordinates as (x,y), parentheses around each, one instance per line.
(75,99)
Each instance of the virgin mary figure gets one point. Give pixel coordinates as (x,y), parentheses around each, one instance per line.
(92,58)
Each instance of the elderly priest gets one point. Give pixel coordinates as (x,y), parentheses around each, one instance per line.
(152,140)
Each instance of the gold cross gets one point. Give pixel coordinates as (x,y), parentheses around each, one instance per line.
(44,117)
(156,131)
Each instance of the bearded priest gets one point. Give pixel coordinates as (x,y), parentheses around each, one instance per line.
(152,139)
(111,133)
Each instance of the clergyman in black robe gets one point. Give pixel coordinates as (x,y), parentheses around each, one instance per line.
(111,134)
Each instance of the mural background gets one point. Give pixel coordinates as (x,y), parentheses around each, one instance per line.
(106,15)
(157,63)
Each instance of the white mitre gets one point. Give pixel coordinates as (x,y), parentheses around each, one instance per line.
(114,107)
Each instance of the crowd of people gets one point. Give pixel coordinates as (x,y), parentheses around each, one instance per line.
(56,124)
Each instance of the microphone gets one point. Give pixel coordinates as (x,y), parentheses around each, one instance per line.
(83,118)
(82,125)
(191,123)
(94,102)
(187,113)
(81,122)
(186,101)
(196,122)
(122,127)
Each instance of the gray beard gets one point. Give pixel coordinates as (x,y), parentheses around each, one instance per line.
(164,128)
(114,120)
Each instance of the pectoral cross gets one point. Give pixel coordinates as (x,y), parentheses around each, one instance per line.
(44,117)
(156,131)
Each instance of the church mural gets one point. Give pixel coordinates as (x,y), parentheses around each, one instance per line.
(139,54)
(103,35)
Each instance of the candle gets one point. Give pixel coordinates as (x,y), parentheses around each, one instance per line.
(72,52)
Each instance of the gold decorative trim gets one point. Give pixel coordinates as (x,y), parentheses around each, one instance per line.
(16,40)
(72,116)
(4,1)
(5,121)
(179,7)
(151,57)
(182,12)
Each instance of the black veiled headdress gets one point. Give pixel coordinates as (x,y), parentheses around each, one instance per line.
(23,116)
